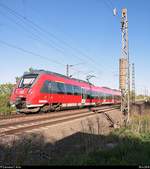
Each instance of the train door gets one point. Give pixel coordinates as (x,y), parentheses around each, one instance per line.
(84,97)
(49,88)
(104,97)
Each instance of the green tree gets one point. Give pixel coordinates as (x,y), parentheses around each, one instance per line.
(30,69)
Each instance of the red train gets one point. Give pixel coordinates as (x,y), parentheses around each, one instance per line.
(45,91)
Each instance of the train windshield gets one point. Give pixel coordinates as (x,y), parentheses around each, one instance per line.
(27,81)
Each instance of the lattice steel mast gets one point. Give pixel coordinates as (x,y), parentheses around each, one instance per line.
(124,71)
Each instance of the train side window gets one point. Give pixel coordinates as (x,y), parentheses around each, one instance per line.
(60,88)
(84,93)
(92,94)
(107,96)
(77,90)
(54,88)
(46,88)
(110,96)
(97,95)
(101,95)
(88,92)
(69,89)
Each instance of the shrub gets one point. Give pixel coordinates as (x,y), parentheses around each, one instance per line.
(5,91)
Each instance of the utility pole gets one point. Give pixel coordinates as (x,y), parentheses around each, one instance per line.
(88,77)
(67,69)
(68,66)
(133,83)
(124,67)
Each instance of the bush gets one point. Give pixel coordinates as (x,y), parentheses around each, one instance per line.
(5,92)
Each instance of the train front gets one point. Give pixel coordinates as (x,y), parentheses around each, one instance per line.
(22,93)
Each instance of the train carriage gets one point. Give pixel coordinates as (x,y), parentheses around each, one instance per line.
(42,90)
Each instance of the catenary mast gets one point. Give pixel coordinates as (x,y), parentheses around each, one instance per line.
(124,66)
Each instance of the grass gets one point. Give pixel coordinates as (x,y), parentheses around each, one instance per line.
(124,146)
(131,147)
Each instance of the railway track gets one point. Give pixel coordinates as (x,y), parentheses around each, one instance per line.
(2,117)
(15,115)
(19,125)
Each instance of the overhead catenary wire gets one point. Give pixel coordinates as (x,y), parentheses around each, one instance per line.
(38,38)
(35,54)
(29,52)
(22,20)
(39,28)
(109,4)
(35,36)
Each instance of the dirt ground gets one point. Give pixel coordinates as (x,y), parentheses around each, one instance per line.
(97,124)
(140,108)
(43,145)
(38,146)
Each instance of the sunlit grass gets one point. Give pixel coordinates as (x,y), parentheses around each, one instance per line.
(4,108)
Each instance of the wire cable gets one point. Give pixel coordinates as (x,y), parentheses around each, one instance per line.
(29,52)
(35,26)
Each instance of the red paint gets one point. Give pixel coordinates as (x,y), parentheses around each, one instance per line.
(33,94)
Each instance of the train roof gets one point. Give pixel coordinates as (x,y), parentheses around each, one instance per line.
(54,73)
(96,88)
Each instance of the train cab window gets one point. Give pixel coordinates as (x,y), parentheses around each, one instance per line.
(77,90)
(27,80)
(69,89)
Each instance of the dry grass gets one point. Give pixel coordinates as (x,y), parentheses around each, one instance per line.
(124,146)
(140,123)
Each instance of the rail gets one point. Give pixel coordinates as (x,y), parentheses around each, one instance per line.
(18,125)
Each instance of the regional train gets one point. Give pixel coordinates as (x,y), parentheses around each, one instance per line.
(45,91)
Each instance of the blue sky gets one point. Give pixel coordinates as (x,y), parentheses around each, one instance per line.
(78,30)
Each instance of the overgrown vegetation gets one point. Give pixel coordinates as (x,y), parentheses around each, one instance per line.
(5,91)
(124,146)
